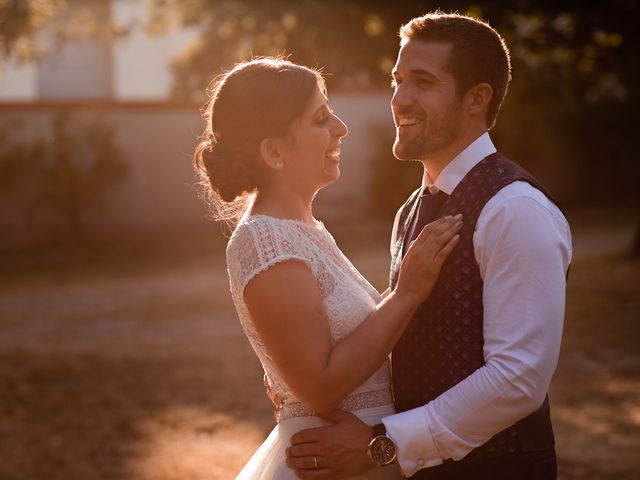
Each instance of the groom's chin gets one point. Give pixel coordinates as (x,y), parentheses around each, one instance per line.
(402,154)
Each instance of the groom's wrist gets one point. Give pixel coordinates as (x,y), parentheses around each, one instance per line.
(382,450)
(377,430)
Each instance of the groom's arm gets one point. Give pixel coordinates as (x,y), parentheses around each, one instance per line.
(523,248)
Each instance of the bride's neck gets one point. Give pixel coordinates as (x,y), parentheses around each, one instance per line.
(283,203)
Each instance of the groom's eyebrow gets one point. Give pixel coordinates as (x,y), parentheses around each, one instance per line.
(416,72)
(423,73)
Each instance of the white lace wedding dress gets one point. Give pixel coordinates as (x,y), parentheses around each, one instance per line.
(258,243)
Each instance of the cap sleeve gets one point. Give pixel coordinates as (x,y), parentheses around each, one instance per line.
(255,247)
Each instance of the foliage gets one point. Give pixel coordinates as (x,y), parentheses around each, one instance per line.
(69,171)
(357,41)
(33,29)
(349,39)
(571,94)
(13,158)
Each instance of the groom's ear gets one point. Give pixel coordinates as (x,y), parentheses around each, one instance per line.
(270,152)
(478,98)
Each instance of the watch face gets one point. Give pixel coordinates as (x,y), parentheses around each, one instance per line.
(382,450)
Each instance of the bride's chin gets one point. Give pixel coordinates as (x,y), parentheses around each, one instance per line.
(331,171)
(332,175)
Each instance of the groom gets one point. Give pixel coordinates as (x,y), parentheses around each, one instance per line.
(472,370)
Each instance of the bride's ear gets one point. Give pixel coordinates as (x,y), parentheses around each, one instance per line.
(270,151)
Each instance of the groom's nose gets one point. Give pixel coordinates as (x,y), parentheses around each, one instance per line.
(401,97)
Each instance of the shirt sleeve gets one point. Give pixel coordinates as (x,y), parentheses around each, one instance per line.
(523,246)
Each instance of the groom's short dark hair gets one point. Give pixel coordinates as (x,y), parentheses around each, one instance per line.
(479,53)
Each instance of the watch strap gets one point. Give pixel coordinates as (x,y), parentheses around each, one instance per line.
(379,429)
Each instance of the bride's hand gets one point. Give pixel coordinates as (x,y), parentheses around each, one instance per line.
(426,254)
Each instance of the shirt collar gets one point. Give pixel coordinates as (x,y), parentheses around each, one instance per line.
(462,164)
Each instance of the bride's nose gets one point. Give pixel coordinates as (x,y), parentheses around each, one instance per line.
(340,130)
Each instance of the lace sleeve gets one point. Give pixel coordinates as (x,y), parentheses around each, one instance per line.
(256,246)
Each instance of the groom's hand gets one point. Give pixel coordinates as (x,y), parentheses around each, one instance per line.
(338,450)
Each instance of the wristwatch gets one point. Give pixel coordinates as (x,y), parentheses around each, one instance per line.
(382,450)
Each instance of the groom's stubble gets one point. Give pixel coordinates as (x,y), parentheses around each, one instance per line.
(441,129)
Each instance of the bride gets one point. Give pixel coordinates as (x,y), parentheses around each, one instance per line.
(322,333)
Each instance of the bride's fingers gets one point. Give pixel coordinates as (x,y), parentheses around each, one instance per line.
(303,450)
(438,227)
(444,235)
(432,229)
(311,462)
(441,236)
(444,252)
(434,236)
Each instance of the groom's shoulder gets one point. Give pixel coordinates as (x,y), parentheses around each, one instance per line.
(500,162)
(522,191)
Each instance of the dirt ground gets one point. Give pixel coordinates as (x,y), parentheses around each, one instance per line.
(127,361)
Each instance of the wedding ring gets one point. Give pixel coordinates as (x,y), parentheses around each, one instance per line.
(315,462)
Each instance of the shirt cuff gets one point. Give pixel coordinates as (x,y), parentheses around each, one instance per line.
(416,448)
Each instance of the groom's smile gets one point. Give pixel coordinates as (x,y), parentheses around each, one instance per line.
(403,121)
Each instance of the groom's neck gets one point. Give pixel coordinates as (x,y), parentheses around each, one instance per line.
(437,161)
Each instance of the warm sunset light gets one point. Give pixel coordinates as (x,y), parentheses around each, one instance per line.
(138,136)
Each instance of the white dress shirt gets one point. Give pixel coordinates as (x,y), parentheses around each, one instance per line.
(522,244)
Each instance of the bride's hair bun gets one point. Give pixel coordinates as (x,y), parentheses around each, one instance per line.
(229,172)
(255,100)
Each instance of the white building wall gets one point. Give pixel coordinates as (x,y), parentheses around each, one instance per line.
(158,193)
(18,81)
(79,72)
(142,63)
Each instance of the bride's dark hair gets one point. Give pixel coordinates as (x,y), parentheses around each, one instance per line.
(255,100)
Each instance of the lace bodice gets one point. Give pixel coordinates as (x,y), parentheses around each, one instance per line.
(259,242)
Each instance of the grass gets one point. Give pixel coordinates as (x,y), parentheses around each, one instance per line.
(127,361)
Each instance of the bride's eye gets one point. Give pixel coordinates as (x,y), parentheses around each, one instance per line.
(322,118)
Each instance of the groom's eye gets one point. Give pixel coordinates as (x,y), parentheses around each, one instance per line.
(424,83)
(424,80)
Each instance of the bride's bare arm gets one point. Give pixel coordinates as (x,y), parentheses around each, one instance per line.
(287,310)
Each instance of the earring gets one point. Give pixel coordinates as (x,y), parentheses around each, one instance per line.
(279,165)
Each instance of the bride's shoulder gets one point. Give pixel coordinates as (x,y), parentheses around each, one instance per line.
(254,230)
(246,231)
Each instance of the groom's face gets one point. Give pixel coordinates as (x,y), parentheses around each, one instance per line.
(427,110)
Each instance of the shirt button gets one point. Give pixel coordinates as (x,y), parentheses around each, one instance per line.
(420,463)
(433,189)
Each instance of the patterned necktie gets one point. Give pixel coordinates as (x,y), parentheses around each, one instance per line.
(428,208)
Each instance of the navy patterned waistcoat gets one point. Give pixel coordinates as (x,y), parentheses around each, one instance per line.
(443,343)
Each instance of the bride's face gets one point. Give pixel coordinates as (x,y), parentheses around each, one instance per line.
(311,152)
